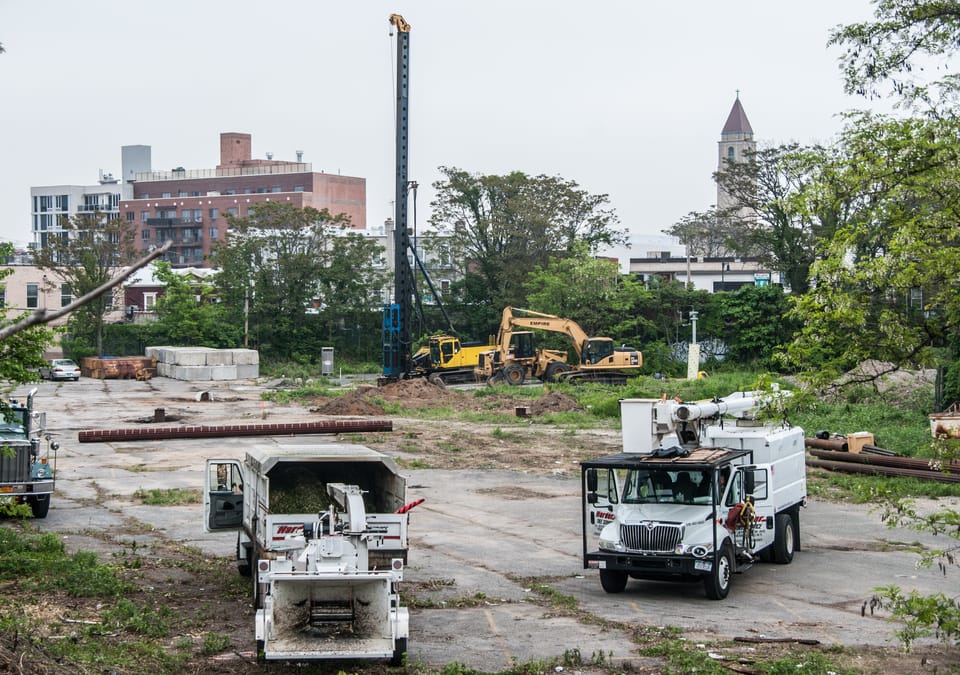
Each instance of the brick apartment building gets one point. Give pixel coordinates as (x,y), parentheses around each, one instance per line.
(189,207)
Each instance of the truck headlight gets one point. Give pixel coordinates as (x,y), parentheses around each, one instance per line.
(607,544)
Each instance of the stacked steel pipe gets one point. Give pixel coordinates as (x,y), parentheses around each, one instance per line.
(831,454)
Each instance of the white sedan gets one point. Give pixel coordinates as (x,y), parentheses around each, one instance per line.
(60,369)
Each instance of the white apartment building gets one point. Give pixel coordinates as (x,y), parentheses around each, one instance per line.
(50,204)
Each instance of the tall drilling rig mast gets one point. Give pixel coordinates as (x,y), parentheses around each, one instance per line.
(397,317)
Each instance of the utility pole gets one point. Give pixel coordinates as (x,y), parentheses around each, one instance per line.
(693,352)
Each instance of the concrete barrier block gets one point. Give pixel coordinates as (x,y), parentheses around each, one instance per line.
(192,357)
(245,357)
(191,373)
(248,371)
(223,372)
(220,357)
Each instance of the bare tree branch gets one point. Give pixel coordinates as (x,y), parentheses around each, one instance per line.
(45,316)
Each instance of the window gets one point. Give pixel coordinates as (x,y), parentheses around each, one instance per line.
(248,191)
(214,234)
(182,193)
(131,216)
(66,297)
(229,192)
(298,188)
(63,202)
(233,211)
(275,188)
(213,213)
(3,297)
(145,234)
(33,296)
(165,195)
(144,215)
(149,300)
(730,154)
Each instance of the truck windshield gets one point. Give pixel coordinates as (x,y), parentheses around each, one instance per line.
(646,486)
(12,423)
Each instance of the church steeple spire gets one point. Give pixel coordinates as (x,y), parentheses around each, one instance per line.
(736,145)
(737,122)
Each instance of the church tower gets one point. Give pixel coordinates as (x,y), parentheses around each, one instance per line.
(736,143)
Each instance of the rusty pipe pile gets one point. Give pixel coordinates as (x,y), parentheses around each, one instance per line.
(836,443)
(882,465)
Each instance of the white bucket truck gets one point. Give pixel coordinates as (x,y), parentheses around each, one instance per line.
(323,532)
(701,490)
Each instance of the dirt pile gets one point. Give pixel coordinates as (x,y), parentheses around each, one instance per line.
(354,403)
(552,402)
(415,393)
(416,389)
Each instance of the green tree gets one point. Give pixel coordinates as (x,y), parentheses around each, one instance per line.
(708,233)
(785,210)
(905,50)
(283,269)
(501,227)
(188,312)
(589,290)
(90,250)
(755,324)
(887,285)
(22,351)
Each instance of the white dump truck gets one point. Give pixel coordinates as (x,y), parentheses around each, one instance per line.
(701,490)
(322,529)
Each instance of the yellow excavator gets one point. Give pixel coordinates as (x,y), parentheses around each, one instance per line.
(446,360)
(515,358)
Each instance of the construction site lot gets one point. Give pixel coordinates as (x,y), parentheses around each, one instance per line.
(494,579)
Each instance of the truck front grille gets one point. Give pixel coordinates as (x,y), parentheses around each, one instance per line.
(651,537)
(14,462)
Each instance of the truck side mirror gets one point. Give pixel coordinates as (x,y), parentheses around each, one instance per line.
(591,480)
(592,498)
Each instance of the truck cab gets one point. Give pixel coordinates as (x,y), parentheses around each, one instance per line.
(27,470)
(705,509)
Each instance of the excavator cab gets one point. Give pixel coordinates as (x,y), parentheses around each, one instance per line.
(596,350)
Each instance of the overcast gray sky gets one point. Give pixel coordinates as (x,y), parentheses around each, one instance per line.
(624,97)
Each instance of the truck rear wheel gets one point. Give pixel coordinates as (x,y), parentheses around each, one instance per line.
(717,582)
(613,581)
(783,539)
(399,650)
(40,505)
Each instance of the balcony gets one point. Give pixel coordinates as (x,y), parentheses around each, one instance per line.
(172,222)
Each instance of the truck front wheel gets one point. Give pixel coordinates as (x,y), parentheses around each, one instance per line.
(613,581)
(40,505)
(783,539)
(717,583)
(399,649)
